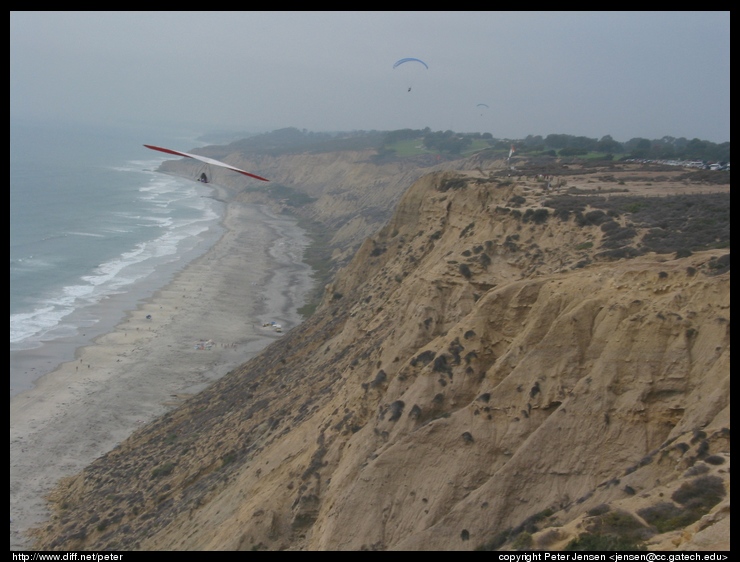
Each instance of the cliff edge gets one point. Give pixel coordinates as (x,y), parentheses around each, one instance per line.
(502,365)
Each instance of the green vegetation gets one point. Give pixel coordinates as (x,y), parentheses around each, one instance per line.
(678,223)
(163,470)
(404,143)
(452,183)
(520,537)
(496,542)
(318,256)
(589,541)
(696,498)
(666,516)
(600,156)
(477,145)
(612,530)
(537,216)
(523,541)
(396,409)
(407,147)
(228,459)
(291,140)
(700,494)
(572,151)
(606,148)
(424,358)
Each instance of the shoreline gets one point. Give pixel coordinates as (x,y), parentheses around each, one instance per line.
(205,322)
(28,365)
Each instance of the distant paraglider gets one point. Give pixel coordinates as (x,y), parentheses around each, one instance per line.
(413,63)
(482,107)
(203,177)
(402,61)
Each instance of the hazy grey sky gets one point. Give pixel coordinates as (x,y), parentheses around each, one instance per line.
(624,74)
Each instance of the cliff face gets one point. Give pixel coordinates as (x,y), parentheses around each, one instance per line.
(474,379)
(349,194)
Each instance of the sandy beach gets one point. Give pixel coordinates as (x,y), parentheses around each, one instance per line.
(208,320)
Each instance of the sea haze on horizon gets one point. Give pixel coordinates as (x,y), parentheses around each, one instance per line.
(91,221)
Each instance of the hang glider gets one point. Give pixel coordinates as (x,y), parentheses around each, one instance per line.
(205,159)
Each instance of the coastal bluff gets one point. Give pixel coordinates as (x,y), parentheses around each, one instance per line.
(499,361)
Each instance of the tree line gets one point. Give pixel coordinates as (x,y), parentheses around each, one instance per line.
(453,143)
(665,148)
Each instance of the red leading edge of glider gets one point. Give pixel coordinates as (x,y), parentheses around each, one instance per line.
(206,160)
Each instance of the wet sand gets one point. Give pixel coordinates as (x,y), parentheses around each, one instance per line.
(206,322)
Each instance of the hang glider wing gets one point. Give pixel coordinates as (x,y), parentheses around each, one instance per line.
(206,160)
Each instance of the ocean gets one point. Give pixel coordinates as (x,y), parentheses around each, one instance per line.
(94,229)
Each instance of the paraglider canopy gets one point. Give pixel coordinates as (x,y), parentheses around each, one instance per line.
(409,59)
(413,63)
(207,160)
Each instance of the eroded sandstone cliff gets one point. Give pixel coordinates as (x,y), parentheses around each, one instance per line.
(481,375)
